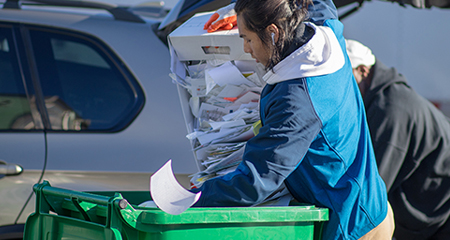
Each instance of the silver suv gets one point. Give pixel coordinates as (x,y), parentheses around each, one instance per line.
(86,102)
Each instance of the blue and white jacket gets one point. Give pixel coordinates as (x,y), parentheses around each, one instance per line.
(314,138)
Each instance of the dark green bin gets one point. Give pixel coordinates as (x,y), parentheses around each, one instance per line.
(66,214)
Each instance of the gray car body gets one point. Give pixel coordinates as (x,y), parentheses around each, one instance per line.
(109,161)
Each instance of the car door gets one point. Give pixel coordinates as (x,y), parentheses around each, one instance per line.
(99,118)
(85,123)
(22,139)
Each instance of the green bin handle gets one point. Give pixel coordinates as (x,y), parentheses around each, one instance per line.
(45,189)
(43,205)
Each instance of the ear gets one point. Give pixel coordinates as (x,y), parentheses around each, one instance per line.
(272,28)
(364,70)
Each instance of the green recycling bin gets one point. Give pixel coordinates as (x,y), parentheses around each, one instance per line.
(67,214)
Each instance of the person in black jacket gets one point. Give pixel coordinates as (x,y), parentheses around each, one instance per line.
(411,140)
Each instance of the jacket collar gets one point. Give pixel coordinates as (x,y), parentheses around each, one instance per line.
(321,55)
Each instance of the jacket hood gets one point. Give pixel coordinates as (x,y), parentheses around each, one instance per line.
(383,77)
(321,55)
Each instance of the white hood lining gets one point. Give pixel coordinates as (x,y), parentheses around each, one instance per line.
(321,55)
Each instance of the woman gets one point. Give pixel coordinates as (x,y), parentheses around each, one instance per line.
(314,137)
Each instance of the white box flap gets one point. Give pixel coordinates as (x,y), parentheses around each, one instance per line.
(191,42)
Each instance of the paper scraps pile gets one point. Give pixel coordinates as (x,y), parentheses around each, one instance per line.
(224,100)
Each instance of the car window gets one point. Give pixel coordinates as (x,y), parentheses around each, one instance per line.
(14,106)
(83,86)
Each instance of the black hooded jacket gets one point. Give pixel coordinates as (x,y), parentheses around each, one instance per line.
(411,139)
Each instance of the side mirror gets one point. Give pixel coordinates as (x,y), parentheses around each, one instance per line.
(9,169)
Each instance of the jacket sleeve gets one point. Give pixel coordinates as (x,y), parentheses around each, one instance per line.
(322,10)
(289,127)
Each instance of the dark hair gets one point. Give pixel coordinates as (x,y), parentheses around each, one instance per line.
(285,14)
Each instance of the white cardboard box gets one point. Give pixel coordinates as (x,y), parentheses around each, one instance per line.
(191,42)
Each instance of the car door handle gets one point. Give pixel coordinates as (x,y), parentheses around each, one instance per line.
(10,169)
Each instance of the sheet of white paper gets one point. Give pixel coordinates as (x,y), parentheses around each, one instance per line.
(175,65)
(232,159)
(231,91)
(209,137)
(216,62)
(228,74)
(232,108)
(252,66)
(239,114)
(197,71)
(194,104)
(209,81)
(222,148)
(195,134)
(241,137)
(250,105)
(255,80)
(211,112)
(223,134)
(219,102)
(227,124)
(168,194)
(198,87)
(246,66)
(255,89)
(248,97)
(236,134)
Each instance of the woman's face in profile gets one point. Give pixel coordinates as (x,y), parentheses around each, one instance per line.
(253,44)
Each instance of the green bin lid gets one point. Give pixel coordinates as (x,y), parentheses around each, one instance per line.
(236,215)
